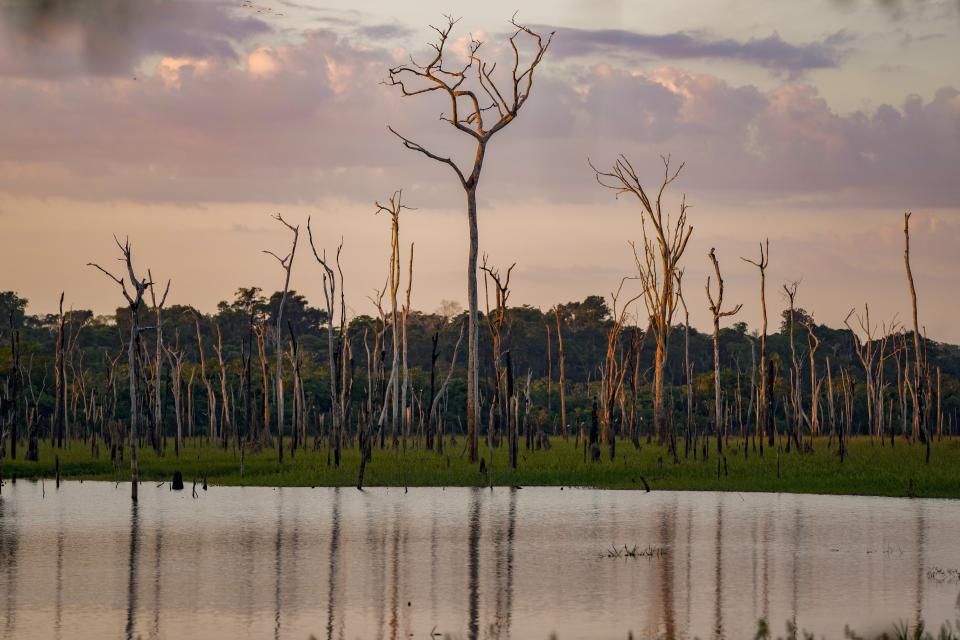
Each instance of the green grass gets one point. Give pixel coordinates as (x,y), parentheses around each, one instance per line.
(869,469)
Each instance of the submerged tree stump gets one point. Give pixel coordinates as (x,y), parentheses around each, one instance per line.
(177,484)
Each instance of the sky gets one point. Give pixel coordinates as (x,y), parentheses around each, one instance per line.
(186,125)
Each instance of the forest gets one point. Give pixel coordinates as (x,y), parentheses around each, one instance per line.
(578,372)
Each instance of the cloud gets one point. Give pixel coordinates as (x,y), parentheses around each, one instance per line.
(771,52)
(58,38)
(306,121)
(384,31)
(898,10)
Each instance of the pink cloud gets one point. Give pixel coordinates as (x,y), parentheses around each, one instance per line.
(305,120)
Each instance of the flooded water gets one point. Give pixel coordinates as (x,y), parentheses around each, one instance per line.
(83,563)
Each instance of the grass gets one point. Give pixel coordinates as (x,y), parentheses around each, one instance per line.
(869,469)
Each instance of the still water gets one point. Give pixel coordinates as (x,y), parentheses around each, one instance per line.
(81,562)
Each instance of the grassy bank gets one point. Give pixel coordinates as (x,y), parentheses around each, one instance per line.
(869,469)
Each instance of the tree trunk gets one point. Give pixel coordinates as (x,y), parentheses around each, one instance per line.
(563,398)
(919,413)
(473,344)
(132,365)
(658,401)
(716,383)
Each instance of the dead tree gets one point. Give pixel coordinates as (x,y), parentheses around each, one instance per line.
(246,357)
(614,367)
(796,387)
(407,410)
(225,421)
(716,308)
(687,372)
(831,408)
(872,354)
(813,344)
(657,266)
(15,381)
(501,403)
(393,208)
(298,419)
(939,421)
(175,357)
(921,399)
(134,300)
(468,87)
(846,425)
(765,404)
(331,276)
(378,386)
(60,382)
(158,359)
(563,397)
(211,396)
(190,412)
(260,331)
(286,263)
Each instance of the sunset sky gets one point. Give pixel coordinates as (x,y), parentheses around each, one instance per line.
(186,124)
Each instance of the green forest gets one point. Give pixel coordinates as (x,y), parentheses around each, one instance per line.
(213,383)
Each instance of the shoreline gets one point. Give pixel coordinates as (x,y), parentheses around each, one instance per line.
(869,469)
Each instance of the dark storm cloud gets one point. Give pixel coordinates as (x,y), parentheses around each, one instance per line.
(771,52)
(58,38)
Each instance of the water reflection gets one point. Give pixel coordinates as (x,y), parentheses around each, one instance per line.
(132,585)
(58,602)
(666,534)
(333,563)
(157,579)
(278,567)
(920,563)
(718,574)
(471,563)
(9,542)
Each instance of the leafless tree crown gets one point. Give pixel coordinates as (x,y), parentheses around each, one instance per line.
(479,106)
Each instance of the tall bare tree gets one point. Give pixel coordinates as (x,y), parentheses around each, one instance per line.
(211,396)
(286,263)
(406,404)
(919,368)
(468,87)
(332,273)
(796,386)
(614,367)
(687,372)
(765,403)
(175,356)
(60,380)
(393,208)
(158,359)
(716,308)
(813,343)
(501,402)
(658,262)
(563,397)
(225,416)
(134,300)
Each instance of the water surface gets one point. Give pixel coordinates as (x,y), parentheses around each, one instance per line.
(81,562)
